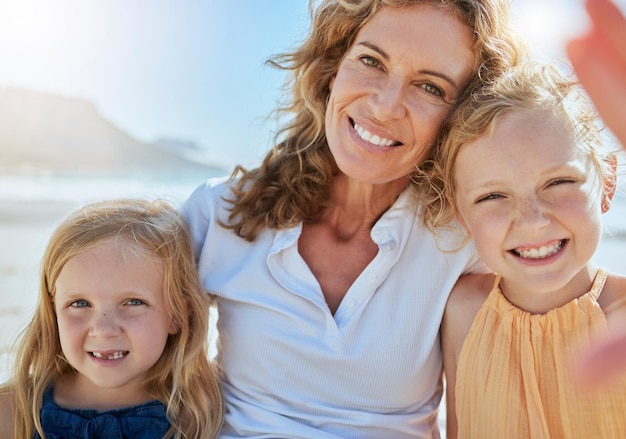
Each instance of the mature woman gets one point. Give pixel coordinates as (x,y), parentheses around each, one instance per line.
(330,287)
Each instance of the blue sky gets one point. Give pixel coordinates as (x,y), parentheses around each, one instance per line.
(189,70)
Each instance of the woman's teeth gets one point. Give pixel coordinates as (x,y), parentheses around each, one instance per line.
(372,138)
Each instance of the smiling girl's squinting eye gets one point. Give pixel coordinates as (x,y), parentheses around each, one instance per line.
(560,181)
(135,302)
(488,197)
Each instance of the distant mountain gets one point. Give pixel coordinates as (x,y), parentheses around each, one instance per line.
(42,132)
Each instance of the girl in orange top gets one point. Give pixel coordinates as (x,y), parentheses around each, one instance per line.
(522,166)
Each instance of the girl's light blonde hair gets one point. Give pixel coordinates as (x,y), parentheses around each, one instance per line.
(183,378)
(530,86)
(293,182)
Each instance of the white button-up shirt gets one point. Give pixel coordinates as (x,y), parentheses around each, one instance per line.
(294,370)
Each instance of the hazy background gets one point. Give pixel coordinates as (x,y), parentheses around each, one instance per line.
(189,71)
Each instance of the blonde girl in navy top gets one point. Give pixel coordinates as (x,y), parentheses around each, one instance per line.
(117,347)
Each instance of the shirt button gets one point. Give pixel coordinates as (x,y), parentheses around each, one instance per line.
(351,303)
(389,247)
(372,277)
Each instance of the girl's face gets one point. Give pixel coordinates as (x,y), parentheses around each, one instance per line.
(112,319)
(393,87)
(532,201)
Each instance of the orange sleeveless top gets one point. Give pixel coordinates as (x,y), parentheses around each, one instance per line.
(513,376)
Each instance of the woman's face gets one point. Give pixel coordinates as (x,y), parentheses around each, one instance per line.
(392,90)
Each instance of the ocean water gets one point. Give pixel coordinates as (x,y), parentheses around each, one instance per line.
(81,189)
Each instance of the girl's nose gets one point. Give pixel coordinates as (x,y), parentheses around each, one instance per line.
(105,324)
(532,213)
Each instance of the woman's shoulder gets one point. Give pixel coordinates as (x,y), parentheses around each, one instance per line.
(207,197)
(213,186)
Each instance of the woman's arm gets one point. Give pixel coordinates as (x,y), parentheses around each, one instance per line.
(599,59)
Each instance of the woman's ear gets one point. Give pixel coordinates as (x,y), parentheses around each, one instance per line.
(610,183)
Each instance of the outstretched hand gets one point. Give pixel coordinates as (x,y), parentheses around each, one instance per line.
(604,362)
(599,59)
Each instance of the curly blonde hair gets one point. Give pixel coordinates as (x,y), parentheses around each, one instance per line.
(183,378)
(292,184)
(529,86)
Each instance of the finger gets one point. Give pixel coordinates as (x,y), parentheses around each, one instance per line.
(604,362)
(603,78)
(610,23)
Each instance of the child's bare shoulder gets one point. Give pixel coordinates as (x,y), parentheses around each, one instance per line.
(612,300)
(471,290)
(465,300)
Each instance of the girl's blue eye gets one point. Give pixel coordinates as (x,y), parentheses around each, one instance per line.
(79,304)
(136,302)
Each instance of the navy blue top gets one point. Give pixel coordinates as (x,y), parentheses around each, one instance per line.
(144,421)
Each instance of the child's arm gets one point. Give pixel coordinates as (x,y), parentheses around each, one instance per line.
(449,366)
(6,415)
(465,300)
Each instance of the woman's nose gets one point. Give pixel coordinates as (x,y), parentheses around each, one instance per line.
(388,101)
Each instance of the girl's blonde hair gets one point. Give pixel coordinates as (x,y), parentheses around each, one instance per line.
(529,86)
(293,182)
(183,378)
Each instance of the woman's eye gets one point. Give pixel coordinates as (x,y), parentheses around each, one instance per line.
(369,61)
(432,89)
(135,302)
(79,304)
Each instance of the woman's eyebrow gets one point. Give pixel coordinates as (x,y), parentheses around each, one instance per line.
(375,48)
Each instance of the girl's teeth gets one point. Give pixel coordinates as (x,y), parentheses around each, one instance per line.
(541,252)
(113,356)
(372,138)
